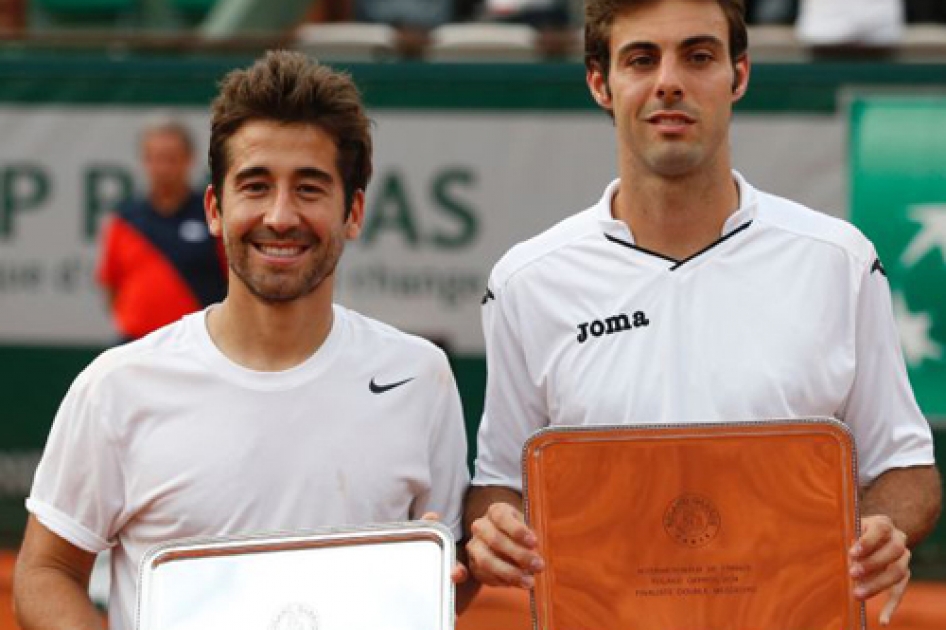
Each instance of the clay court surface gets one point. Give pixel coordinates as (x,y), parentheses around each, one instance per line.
(924,607)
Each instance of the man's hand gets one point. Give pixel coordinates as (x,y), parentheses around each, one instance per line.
(502,549)
(900,507)
(880,561)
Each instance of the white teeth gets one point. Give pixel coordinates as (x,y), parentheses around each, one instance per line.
(280,252)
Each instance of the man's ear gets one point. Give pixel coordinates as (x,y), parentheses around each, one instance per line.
(598,85)
(212,211)
(356,217)
(741,70)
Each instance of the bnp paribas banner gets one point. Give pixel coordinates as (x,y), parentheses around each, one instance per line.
(452,191)
(898,198)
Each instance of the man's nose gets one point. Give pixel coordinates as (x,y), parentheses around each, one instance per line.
(283,214)
(669,86)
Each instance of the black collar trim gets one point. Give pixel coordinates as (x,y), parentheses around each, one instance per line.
(679,263)
(621,241)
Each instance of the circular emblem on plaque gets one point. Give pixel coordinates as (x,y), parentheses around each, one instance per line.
(692,520)
(295,617)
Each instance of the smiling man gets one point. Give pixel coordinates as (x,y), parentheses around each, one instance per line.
(686,295)
(275,410)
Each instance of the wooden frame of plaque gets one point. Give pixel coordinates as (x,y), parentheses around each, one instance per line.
(735,526)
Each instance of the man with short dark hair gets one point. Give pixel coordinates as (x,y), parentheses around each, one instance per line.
(686,295)
(275,410)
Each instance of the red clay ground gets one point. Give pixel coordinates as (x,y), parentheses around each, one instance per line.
(923,608)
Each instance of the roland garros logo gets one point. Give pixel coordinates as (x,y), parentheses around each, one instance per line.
(295,617)
(691,520)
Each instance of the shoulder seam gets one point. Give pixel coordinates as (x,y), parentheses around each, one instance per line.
(588,232)
(387,331)
(850,251)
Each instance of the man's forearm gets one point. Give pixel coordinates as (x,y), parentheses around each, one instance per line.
(51,583)
(911,497)
(479,498)
(46,599)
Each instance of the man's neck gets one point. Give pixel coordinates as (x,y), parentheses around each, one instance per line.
(676,217)
(271,337)
(168,202)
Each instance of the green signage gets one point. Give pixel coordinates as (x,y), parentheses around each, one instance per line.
(898,198)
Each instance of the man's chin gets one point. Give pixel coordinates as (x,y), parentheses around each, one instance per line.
(675,164)
(282,296)
(280,293)
(277,289)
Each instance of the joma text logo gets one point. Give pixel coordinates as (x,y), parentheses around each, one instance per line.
(611,325)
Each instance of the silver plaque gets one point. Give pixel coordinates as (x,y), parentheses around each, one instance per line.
(386,577)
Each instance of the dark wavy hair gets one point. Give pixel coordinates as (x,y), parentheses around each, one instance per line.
(288,87)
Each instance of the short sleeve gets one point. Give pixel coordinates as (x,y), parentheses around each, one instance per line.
(514,407)
(449,476)
(889,429)
(77,492)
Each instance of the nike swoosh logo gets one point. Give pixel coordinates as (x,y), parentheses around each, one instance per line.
(380,389)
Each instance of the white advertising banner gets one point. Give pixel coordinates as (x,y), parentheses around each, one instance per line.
(451,192)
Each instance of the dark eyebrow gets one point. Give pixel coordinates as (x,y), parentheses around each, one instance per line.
(307,172)
(702,40)
(689,42)
(250,173)
(628,47)
(315,173)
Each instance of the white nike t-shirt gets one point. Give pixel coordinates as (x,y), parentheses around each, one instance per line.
(787,315)
(166,438)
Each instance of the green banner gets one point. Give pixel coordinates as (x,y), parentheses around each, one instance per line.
(898,198)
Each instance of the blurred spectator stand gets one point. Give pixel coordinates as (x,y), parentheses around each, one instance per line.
(484,42)
(12,17)
(349,41)
(537,13)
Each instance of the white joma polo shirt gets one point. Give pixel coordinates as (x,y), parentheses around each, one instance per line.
(788,314)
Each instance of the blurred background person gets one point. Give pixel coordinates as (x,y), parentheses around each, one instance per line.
(771,11)
(421,14)
(158,261)
(417,13)
(538,13)
(926,11)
